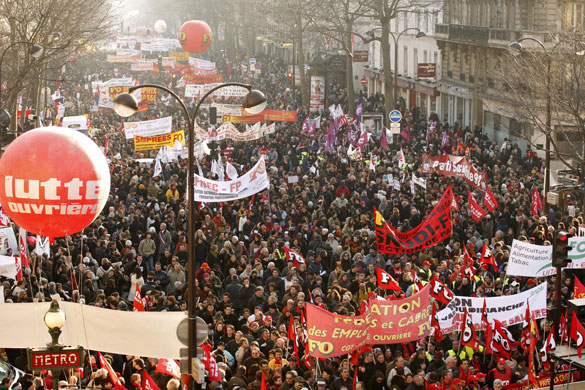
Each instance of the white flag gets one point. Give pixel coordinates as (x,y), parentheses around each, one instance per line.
(157,167)
(42,246)
(231,171)
(401,159)
(372,163)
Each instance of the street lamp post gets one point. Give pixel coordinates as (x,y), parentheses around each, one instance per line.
(395,38)
(35,51)
(516,47)
(126,105)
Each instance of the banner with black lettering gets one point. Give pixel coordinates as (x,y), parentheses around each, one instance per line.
(509,310)
(436,227)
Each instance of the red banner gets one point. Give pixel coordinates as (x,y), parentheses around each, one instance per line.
(202,79)
(476,211)
(450,165)
(489,200)
(436,227)
(385,322)
(540,384)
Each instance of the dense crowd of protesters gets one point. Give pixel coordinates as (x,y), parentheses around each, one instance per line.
(246,288)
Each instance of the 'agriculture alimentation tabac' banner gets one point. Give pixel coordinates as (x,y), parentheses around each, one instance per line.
(436,227)
(158,141)
(385,322)
(458,166)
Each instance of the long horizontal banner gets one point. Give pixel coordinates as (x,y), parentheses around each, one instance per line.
(509,309)
(180,56)
(202,78)
(196,90)
(142,66)
(158,141)
(542,383)
(436,227)
(252,182)
(122,59)
(264,116)
(530,260)
(148,128)
(458,166)
(385,322)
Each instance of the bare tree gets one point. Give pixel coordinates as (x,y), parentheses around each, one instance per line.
(547,91)
(337,20)
(62,27)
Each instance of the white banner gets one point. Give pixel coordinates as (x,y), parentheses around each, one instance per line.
(196,90)
(419,181)
(201,64)
(104,88)
(317,97)
(252,182)
(127,52)
(530,260)
(8,267)
(169,62)
(142,66)
(8,241)
(577,254)
(122,59)
(229,131)
(148,128)
(227,109)
(509,309)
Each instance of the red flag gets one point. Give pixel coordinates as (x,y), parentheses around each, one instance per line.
(537,203)
(138,304)
(489,200)
(437,334)
(107,145)
(386,281)
(22,246)
(168,367)
(577,333)
(296,258)
(468,268)
(343,120)
(111,373)
(579,289)
(147,382)
(525,338)
(210,364)
(18,269)
(533,340)
(291,328)
(487,257)
(440,291)
(263,384)
(484,320)
(551,344)
(468,334)
(354,378)
(564,332)
(501,340)
(488,329)
(476,211)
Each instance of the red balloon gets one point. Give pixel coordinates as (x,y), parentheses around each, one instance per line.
(56,181)
(195,36)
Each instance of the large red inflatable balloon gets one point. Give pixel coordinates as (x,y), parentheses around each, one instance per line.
(55,181)
(195,36)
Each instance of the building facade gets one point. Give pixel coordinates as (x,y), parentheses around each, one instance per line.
(414,88)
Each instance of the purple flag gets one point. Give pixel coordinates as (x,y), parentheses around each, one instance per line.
(384,141)
(359,111)
(363,140)
(406,134)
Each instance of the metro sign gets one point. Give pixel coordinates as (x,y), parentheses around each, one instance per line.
(43,359)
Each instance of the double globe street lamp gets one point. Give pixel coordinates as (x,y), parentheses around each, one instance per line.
(126,105)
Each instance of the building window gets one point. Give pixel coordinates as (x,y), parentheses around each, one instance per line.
(415,59)
(573,15)
(425,56)
(436,59)
(405,61)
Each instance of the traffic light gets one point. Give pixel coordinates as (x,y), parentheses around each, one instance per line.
(174,81)
(561,249)
(290,75)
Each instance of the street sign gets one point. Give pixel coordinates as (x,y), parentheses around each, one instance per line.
(200,336)
(45,359)
(395,116)
(395,127)
(252,61)
(198,370)
(364,81)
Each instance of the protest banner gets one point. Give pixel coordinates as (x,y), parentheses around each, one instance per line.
(317,97)
(148,128)
(542,383)
(509,309)
(530,260)
(457,166)
(149,94)
(243,118)
(115,91)
(229,131)
(8,267)
(252,182)
(227,109)
(577,253)
(436,227)
(385,322)
(180,56)
(158,141)
(169,62)
(105,99)
(202,78)
(201,64)
(142,66)
(196,90)
(122,59)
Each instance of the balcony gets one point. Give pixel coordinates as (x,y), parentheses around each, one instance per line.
(485,35)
